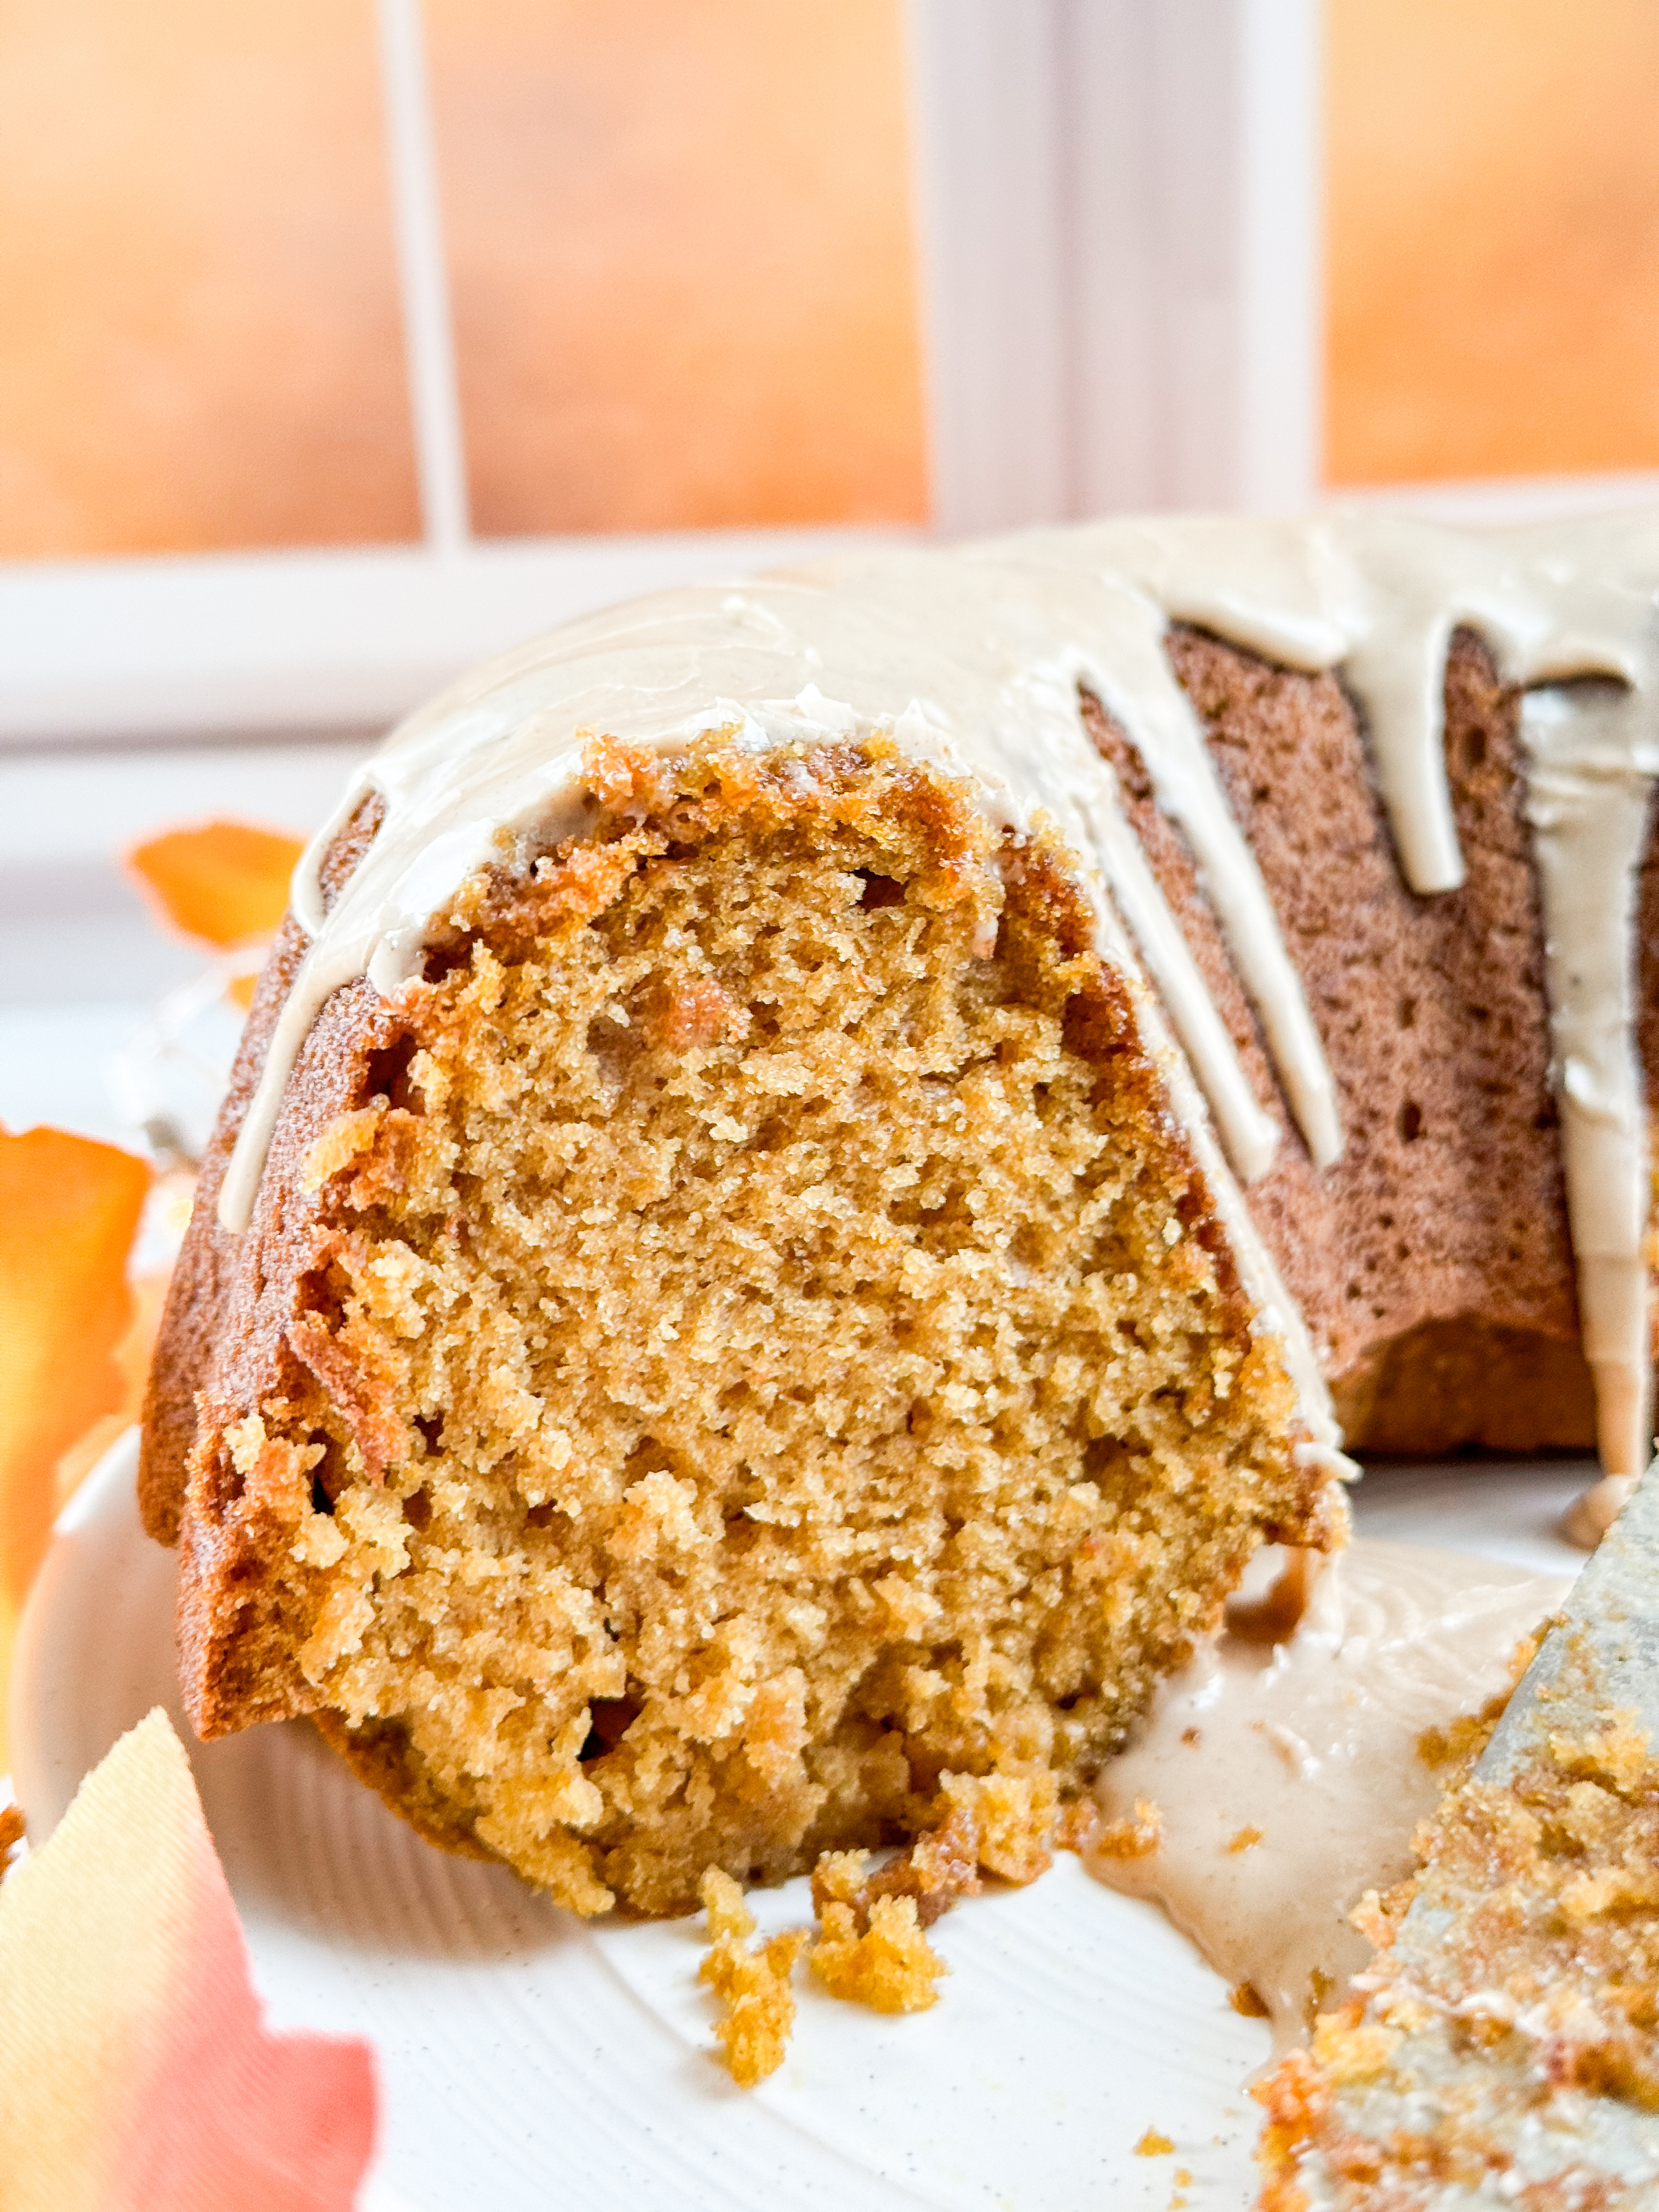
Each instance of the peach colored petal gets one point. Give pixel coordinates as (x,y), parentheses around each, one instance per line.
(224,882)
(136,2069)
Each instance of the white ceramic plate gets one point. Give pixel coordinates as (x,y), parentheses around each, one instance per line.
(529,2059)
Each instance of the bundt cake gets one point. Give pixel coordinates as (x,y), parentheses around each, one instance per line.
(817,1164)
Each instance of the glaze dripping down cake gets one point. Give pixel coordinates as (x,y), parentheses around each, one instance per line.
(817,1164)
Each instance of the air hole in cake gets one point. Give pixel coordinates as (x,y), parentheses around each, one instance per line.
(610,1719)
(388,1073)
(443,959)
(323,1293)
(1411,1122)
(879,892)
(330,1475)
(320,1500)
(430,1428)
(1107,1463)
(417,1510)
(613,1047)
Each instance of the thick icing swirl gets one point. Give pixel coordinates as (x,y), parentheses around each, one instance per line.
(975,660)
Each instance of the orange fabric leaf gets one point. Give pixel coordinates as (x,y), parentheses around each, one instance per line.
(225,882)
(68,1209)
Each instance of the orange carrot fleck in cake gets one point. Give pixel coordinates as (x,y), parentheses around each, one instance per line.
(1132,1838)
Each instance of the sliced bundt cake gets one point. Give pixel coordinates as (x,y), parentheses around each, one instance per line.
(717,1300)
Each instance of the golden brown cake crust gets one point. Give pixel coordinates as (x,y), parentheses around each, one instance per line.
(223,1335)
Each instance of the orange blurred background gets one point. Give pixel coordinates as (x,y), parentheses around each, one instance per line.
(1493,237)
(203,344)
(681,252)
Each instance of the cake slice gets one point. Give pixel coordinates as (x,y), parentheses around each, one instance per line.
(743,1335)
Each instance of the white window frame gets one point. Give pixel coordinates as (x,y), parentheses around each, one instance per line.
(1118,207)
(1119,203)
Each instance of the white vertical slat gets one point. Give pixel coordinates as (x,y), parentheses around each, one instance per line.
(422,276)
(1280,243)
(1120,218)
(990,222)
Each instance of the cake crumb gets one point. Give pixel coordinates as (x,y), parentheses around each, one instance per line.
(722,1900)
(1134,1838)
(1245,1840)
(838,1879)
(890,1966)
(1078,1826)
(754,1986)
(1462,1739)
(938,1869)
(1617,1755)
(1347,2050)
(1013,1815)
(341,1143)
(1153,2145)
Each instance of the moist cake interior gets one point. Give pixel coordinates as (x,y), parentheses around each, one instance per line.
(776,1347)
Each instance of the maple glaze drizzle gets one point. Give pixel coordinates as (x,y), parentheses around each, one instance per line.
(973,660)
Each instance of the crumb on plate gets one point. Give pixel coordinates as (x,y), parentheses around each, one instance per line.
(890,1967)
(753,1984)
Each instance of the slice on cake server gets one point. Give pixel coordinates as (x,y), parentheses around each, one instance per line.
(1503,2047)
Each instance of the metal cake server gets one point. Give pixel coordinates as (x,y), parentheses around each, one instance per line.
(1505,2121)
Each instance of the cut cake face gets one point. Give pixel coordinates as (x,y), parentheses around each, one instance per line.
(743,1337)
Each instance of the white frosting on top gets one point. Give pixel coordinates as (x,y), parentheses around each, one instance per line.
(973,661)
